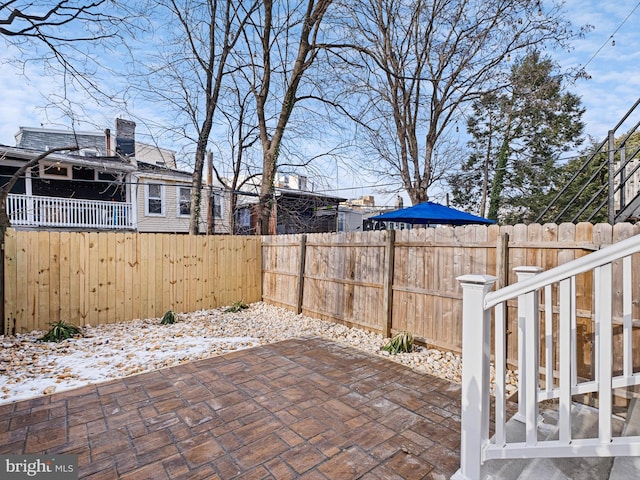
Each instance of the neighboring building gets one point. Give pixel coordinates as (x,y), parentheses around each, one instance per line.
(349,219)
(110,183)
(69,191)
(294,182)
(364,201)
(295,210)
(163,199)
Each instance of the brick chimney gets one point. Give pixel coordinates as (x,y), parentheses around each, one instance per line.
(107,137)
(125,137)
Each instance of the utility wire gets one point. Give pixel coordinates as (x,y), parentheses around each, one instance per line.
(611,36)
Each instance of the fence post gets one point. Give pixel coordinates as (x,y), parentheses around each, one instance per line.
(528,354)
(476,353)
(388,283)
(301,268)
(502,260)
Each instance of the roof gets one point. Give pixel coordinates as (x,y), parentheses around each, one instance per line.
(431,213)
(287,192)
(41,139)
(106,163)
(152,168)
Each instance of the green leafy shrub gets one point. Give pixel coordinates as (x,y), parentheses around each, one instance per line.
(401,342)
(236,307)
(60,331)
(169,318)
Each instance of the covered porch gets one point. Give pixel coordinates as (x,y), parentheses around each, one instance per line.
(34,211)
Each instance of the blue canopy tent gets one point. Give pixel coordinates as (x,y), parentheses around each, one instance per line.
(429,213)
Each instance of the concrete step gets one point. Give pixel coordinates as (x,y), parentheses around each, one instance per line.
(584,425)
(625,468)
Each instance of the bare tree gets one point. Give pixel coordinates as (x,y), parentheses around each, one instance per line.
(69,42)
(422,61)
(280,47)
(185,76)
(237,168)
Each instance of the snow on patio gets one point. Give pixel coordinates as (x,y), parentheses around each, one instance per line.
(29,368)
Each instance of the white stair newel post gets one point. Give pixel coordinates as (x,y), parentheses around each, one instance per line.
(476,352)
(528,334)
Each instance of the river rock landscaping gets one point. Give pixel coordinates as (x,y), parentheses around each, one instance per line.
(29,368)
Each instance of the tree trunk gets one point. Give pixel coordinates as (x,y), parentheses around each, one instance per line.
(498,180)
(233,201)
(4,224)
(265,200)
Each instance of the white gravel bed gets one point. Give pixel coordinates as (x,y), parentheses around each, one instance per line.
(29,368)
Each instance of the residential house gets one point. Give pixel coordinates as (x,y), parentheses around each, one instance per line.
(68,191)
(163,200)
(296,209)
(349,219)
(110,183)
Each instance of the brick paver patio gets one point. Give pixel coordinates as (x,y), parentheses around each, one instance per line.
(303,408)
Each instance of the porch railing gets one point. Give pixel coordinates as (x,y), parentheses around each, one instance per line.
(38,211)
(542,376)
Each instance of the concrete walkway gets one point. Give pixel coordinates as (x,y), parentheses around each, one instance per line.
(303,408)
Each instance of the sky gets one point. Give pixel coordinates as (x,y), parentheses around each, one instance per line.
(614,86)
(611,91)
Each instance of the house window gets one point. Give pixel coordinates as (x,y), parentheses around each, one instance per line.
(107,177)
(154,204)
(54,170)
(216,206)
(184,201)
(244,217)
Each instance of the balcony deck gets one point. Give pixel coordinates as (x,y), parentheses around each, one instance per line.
(54,212)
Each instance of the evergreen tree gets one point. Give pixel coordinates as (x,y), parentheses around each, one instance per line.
(517,137)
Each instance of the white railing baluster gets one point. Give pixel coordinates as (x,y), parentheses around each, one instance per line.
(627,317)
(548,337)
(574,335)
(476,325)
(566,302)
(31,209)
(527,354)
(39,211)
(604,325)
(500,365)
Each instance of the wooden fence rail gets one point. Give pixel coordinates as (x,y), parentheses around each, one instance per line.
(95,278)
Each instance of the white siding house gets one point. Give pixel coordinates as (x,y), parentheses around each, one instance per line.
(137,187)
(163,200)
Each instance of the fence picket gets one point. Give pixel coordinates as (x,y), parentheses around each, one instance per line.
(91,278)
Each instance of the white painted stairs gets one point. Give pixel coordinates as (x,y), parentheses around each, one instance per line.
(585,425)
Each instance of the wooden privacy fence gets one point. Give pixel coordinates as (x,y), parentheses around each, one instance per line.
(96,278)
(389,281)
(383,281)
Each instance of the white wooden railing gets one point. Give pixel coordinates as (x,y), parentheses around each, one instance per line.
(37,211)
(543,376)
